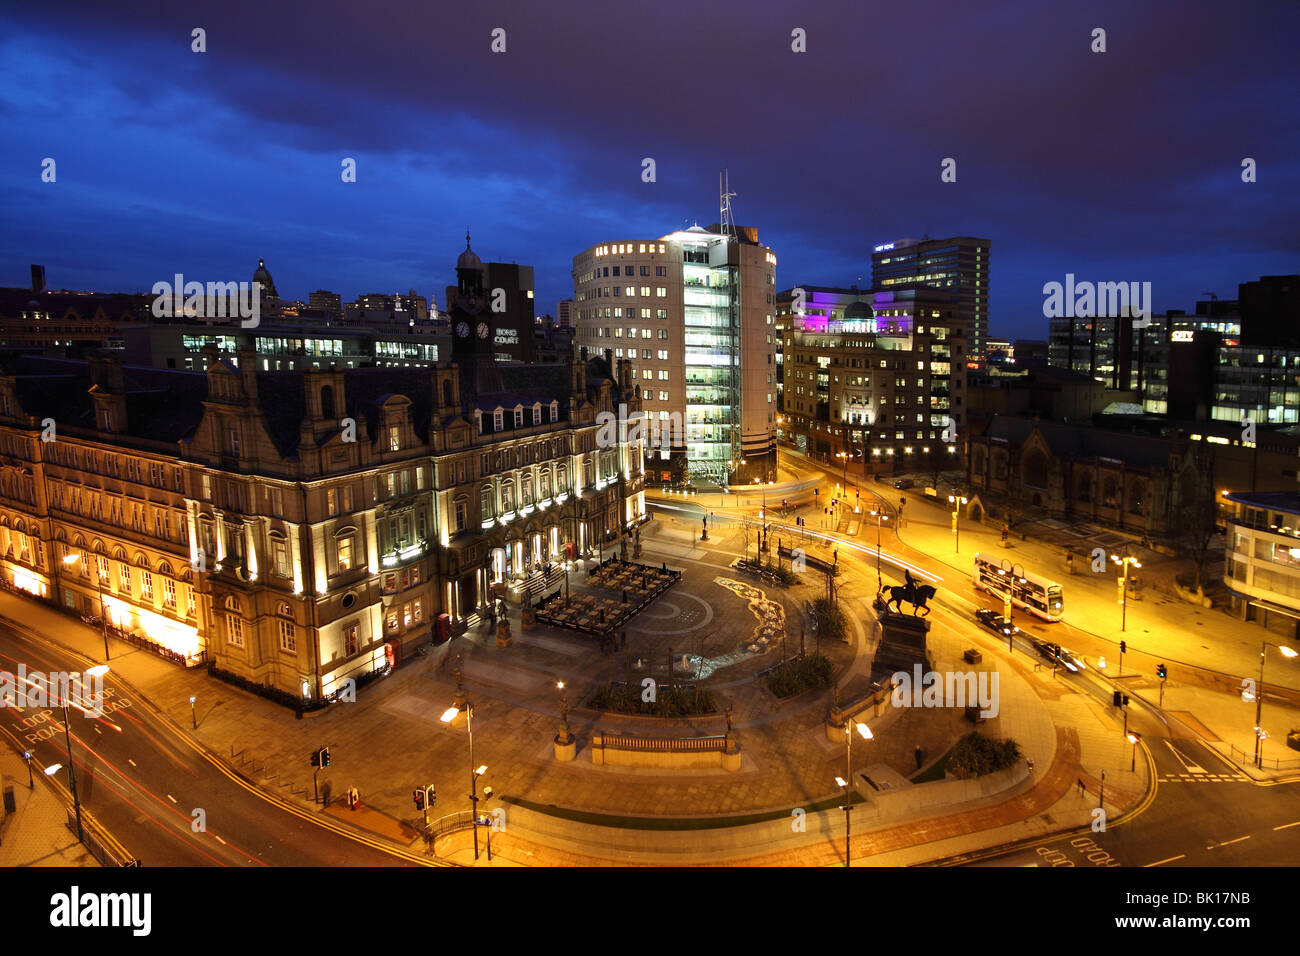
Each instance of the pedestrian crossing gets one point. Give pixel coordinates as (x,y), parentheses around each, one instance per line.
(1203,777)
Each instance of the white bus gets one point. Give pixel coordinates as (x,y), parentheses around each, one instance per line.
(1038,595)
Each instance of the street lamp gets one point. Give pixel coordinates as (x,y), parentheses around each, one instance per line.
(1259,699)
(448,716)
(956,501)
(1133,738)
(71,559)
(1124,563)
(880,516)
(865,731)
(97,671)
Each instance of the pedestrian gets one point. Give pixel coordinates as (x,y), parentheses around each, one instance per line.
(1081,787)
(920,756)
(1030,761)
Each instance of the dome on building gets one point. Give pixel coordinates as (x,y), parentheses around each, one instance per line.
(468,259)
(859,310)
(263,276)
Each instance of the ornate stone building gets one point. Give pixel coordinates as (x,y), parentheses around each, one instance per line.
(295,529)
(1135,481)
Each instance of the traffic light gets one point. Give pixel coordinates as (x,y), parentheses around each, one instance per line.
(1126,700)
(433,795)
(816,492)
(315,758)
(1161,671)
(418,796)
(785,502)
(1123,646)
(324,756)
(1118,699)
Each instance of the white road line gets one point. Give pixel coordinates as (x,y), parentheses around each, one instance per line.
(1229,842)
(130,761)
(1171,859)
(221,841)
(171,798)
(98,731)
(1187,762)
(1287,826)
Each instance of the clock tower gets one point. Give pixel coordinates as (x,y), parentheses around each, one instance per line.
(472,329)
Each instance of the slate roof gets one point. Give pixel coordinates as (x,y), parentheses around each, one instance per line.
(161,404)
(1078,441)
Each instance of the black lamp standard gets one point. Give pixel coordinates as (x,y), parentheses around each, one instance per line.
(1259,698)
(474,772)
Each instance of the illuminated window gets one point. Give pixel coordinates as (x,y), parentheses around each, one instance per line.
(351,639)
(344,546)
(288,637)
(234,623)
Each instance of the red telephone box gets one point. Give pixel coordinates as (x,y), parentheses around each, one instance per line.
(442,628)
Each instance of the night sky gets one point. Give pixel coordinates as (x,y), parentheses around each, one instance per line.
(1122,166)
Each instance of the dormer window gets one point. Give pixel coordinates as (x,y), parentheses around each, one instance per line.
(555,411)
(394,438)
(497,423)
(537,413)
(519,416)
(478,420)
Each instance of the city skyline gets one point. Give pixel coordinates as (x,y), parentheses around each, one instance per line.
(256,128)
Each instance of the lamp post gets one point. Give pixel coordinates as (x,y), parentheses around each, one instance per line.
(448,716)
(956,501)
(865,731)
(194,717)
(1133,738)
(1259,698)
(880,516)
(97,671)
(71,559)
(1124,563)
(27,759)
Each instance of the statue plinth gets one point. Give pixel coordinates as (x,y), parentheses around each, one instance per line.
(504,639)
(565,749)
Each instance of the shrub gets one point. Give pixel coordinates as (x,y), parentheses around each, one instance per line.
(801,674)
(830,620)
(668,702)
(975,755)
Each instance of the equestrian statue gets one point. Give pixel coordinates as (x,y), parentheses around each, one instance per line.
(913,593)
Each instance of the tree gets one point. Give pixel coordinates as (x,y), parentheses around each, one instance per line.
(1195,511)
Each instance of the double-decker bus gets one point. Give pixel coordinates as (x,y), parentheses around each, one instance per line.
(1037,595)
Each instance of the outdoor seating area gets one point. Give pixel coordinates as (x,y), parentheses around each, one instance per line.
(638,585)
(582,612)
(632,578)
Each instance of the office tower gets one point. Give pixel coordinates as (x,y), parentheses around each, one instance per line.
(694,312)
(958,266)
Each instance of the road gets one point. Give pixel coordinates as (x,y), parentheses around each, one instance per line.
(1203,810)
(151,787)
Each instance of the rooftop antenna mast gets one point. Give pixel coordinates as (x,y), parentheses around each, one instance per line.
(724,200)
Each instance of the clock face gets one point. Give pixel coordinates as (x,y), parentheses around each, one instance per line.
(462,329)
(482,330)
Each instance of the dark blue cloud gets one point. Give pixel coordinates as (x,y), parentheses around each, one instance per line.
(1117,166)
